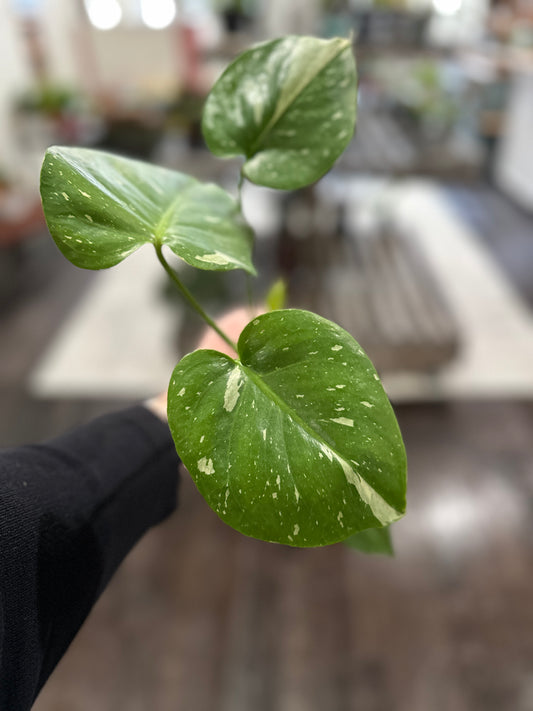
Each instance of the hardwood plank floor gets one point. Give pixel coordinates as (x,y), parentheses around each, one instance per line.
(201,618)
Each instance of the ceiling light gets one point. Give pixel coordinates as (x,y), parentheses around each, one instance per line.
(158,14)
(447,7)
(103,14)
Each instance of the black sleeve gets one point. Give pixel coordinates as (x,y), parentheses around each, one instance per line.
(70,510)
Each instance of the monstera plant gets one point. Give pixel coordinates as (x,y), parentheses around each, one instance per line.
(294,440)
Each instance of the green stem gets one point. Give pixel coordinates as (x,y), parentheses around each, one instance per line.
(190,298)
(239,190)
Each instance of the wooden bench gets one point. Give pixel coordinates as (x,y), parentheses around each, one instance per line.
(377,286)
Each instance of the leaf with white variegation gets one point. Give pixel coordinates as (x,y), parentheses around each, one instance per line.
(100,208)
(288,106)
(376,541)
(294,443)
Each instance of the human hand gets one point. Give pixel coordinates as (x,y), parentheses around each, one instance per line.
(232,323)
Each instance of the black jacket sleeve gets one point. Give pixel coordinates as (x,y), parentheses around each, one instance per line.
(70,510)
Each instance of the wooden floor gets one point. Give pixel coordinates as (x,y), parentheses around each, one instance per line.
(200,618)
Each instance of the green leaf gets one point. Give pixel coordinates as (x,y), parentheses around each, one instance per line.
(100,208)
(277,295)
(373,540)
(294,443)
(288,105)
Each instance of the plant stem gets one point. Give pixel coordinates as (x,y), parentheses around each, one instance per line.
(190,298)
(239,190)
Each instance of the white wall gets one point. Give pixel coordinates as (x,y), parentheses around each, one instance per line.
(60,26)
(465,27)
(15,75)
(280,17)
(132,57)
(514,161)
(119,60)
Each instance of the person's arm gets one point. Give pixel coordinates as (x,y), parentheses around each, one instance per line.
(70,510)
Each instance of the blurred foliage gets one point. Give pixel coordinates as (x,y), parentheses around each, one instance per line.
(50,99)
(276,297)
(418,89)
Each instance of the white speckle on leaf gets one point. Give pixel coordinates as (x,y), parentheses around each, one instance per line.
(205,466)
(376,376)
(366,404)
(340,387)
(296,530)
(181,392)
(339,518)
(88,217)
(79,241)
(296,494)
(264,434)
(202,439)
(336,348)
(327,451)
(275,495)
(232,389)
(65,196)
(342,421)
(339,409)
(337,115)
(379,507)
(278,481)
(299,395)
(215,258)
(313,352)
(84,194)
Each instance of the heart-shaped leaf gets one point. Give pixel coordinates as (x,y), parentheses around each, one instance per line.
(294,443)
(373,540)
(288,105)
(100,208)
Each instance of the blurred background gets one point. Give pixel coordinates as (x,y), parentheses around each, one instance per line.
(419,242)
